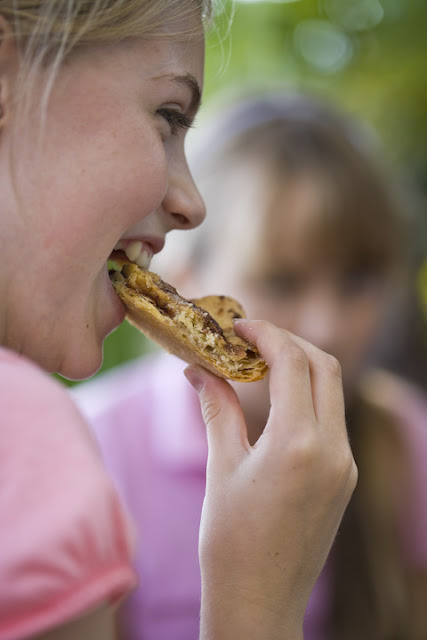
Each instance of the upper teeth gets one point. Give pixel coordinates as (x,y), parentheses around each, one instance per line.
(136,253)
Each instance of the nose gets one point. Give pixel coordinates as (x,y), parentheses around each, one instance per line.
(183,204)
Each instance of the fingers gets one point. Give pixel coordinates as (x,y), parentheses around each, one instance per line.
(222,413)
(306,395)
(326,384)
(307,406)
(305,382)
(328,400)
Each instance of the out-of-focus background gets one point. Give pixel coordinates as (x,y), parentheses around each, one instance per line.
(367,55)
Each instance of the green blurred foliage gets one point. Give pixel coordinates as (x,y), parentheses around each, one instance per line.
(368,55)
(124,344)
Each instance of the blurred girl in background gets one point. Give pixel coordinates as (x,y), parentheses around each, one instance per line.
(305,230)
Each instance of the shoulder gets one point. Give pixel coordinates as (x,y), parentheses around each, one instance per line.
(407,404)
(25,389)
(403,399)
(37,412)
(38,415)
(64,537)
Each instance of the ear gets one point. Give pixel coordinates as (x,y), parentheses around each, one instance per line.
(9,65)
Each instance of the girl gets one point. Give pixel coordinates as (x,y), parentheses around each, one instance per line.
(95,101)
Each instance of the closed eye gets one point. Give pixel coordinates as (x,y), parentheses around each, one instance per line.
(176,120)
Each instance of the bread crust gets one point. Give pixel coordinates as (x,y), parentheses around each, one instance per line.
(198,331)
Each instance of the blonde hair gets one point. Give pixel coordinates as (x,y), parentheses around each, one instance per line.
(44,26)
(49,31)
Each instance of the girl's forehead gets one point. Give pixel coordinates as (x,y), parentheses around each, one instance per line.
(266,229)
(294,218)
(306,220)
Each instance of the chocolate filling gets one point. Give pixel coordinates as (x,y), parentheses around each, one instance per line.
(171,304)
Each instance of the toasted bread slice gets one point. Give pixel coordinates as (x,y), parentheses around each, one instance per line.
(198,331)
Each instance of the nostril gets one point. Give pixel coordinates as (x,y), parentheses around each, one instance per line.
(181,219)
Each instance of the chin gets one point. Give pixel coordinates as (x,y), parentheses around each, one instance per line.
(83,338)
(84,366)
(84,356)
(79,372)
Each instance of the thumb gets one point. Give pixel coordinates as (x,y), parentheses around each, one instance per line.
(222,413)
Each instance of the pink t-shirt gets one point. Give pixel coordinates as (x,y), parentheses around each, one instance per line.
(147,419)
(65,543)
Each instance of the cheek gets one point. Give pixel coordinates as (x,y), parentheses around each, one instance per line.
(361,330)
(144,182)
(113,177)
(120,190)
(364,322)
(129,176)
(269,308)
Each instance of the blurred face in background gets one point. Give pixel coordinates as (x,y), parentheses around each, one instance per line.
(288,261)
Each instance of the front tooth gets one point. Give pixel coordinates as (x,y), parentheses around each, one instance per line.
(143,260)
(133,250)
(119,245)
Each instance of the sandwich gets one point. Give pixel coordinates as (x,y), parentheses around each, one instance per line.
(199,331)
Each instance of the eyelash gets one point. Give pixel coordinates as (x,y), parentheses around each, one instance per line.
(175,119)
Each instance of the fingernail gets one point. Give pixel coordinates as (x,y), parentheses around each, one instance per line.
(192,373)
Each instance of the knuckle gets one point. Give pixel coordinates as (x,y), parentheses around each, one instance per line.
(353,475)
(332,365)
(345,470)
(211,409)
(295,355)
(305,451)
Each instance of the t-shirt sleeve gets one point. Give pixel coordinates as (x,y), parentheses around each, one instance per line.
(65,541)
(408,405)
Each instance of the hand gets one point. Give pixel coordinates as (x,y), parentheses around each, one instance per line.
(271,510)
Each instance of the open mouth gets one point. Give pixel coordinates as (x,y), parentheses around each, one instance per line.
(116,261)
(136,251)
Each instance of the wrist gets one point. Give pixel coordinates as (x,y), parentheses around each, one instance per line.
(229,613)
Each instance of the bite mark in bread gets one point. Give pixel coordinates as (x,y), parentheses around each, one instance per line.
(199,331)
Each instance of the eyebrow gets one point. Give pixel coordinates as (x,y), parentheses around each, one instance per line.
(190,82)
